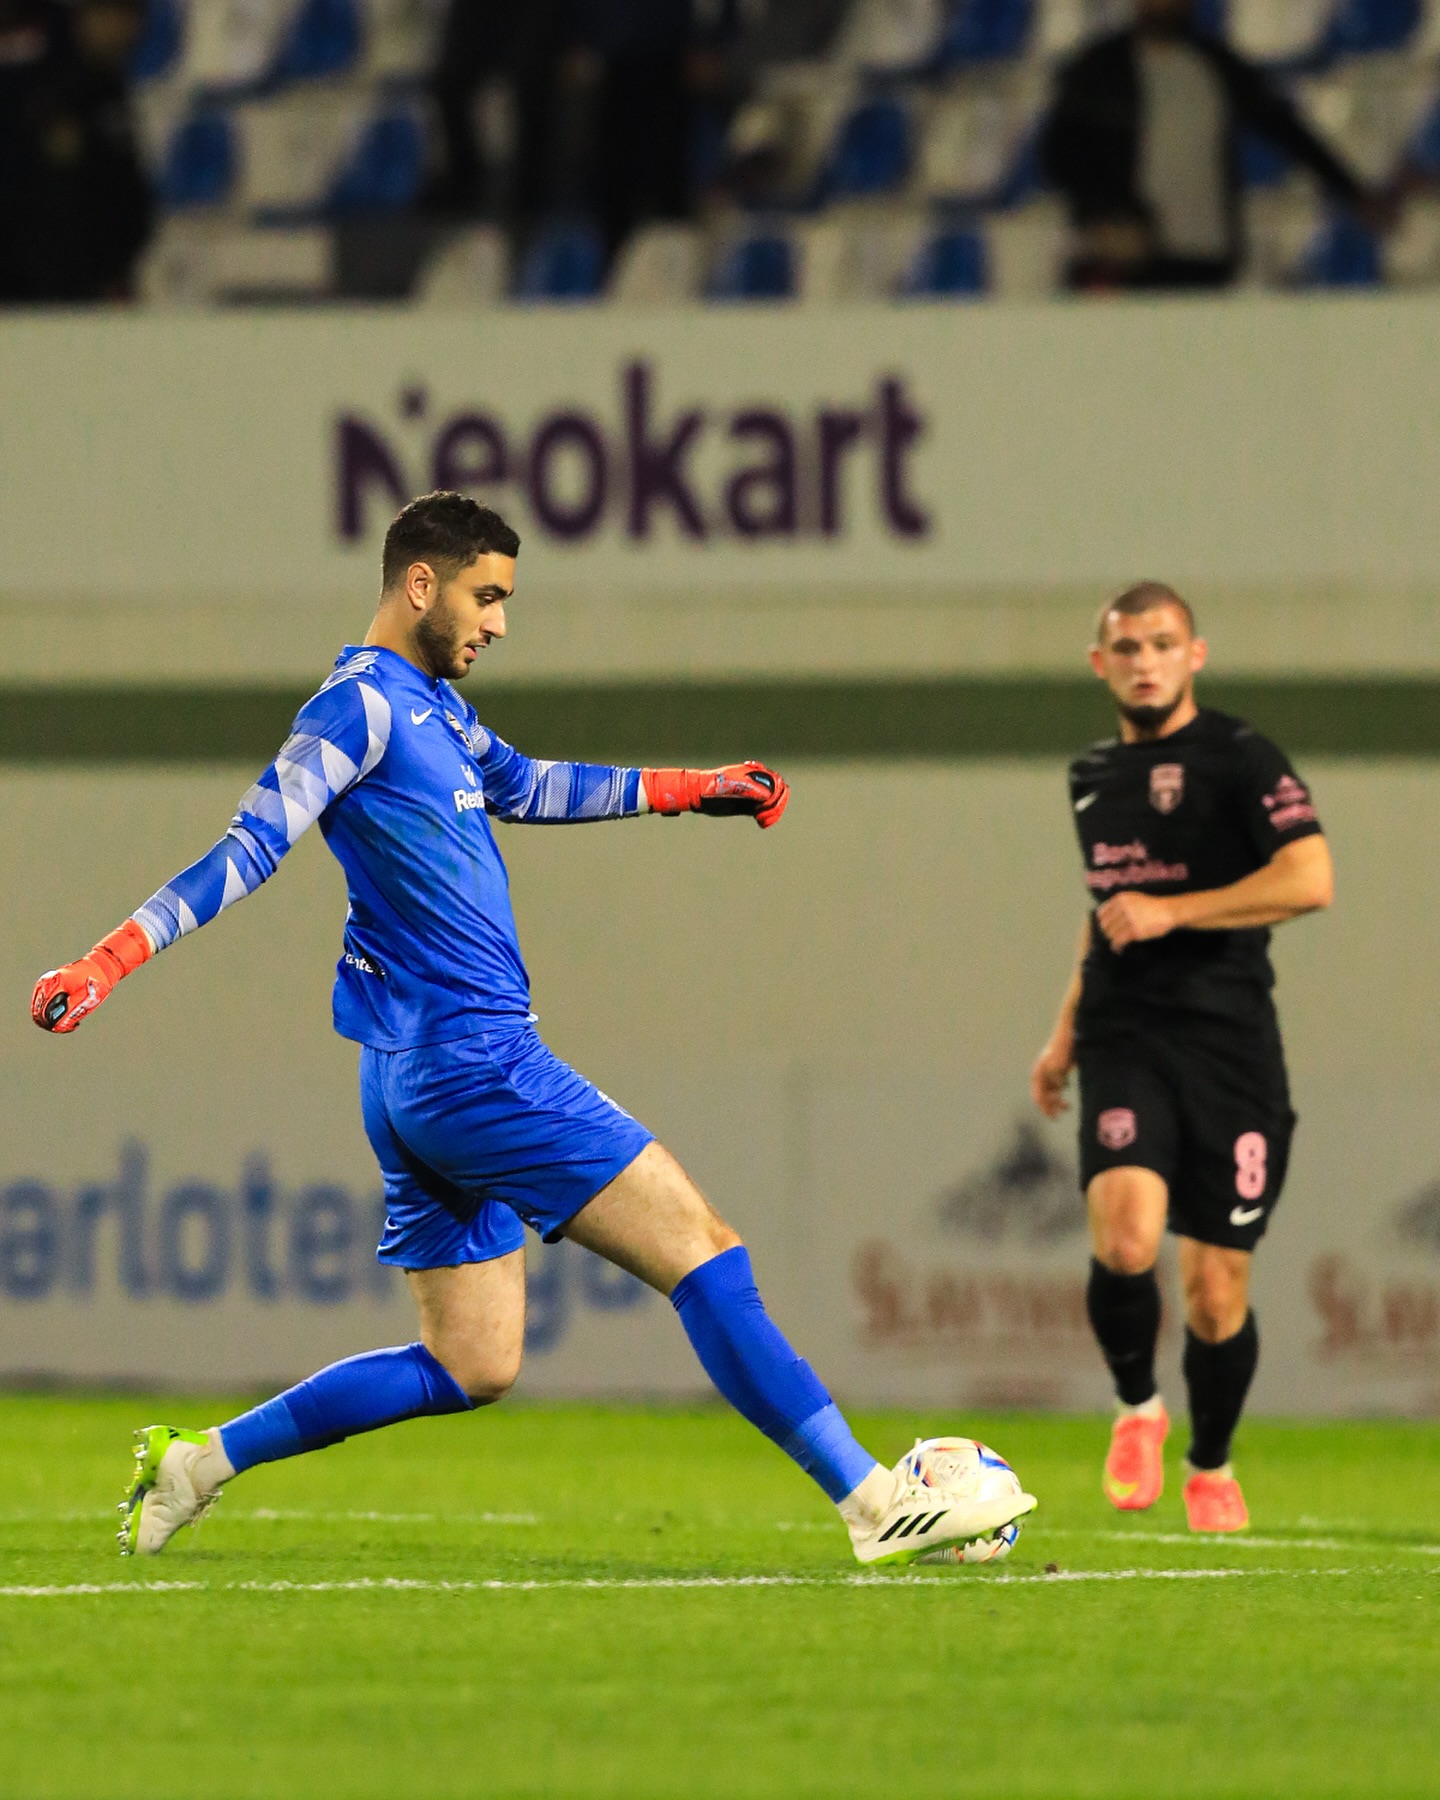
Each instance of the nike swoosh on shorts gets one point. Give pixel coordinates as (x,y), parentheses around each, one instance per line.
(1089,800)
(1245,1215)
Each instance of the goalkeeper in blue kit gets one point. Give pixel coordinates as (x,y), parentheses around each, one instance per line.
(479,1129)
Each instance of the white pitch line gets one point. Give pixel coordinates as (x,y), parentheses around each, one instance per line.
(1237,1540)
(600,1584)
(270,1514)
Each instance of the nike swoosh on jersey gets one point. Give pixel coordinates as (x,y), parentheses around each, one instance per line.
(419,718)
(1089,800)
(1245,1215)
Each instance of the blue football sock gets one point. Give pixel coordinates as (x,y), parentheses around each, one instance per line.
(748,1359)
(362,1393)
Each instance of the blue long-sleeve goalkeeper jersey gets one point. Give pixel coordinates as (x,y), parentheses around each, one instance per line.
(401,775)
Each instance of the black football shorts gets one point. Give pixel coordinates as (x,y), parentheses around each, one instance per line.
(1208,1109)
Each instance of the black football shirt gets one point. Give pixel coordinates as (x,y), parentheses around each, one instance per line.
(1199,809)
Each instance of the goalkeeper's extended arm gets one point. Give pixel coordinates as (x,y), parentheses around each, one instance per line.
(338,738)
(745,788)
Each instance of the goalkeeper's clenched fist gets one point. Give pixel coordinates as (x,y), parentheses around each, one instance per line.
(747,787)
(62,997)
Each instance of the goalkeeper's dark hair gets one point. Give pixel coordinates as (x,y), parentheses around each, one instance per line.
(446,530)
(1144,597)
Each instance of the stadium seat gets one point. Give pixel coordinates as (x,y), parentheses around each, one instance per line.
(1279,31)
(872,153)
(890,36)
(1280,221)
(950,265)
(1411,253)
(1362,27)
(198,165)
(201,262)
(856,255)
(974,139)
(565,262)
(1062,26)
(292,148)
(1423,148)
(232,44)
(1369,108)
(386,165)
(660,265)
(158,51)
(795,118)
(399,38)
(1025,251)
(1261,164)
(1342,254)
(757,265)
(471,269)
(323,40)
(984,30)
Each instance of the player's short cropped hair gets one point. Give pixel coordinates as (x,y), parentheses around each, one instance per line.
(1144,597)
(446,530)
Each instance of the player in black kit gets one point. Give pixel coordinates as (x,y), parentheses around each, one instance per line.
(1197,837)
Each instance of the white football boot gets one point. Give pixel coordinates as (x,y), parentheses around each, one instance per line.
(953,1501)
(176,1481)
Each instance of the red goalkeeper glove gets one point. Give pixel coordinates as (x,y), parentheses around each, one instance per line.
(738,788)
(62,997)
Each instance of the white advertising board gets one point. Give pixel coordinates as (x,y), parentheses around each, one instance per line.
(730,490)
(831,1024)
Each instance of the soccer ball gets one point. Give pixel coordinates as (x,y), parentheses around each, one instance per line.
(973,1470)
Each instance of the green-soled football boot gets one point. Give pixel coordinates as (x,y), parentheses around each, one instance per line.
(163,1494)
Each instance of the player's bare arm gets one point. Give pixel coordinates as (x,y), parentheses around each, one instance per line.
(1051,1073)
(1299,879)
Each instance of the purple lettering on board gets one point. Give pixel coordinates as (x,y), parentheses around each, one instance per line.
(575,433)
(363,460)
(838,433)
(900,426)
(761,500)
(471,452)
(657,466)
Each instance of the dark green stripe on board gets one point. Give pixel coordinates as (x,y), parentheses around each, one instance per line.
(940,719)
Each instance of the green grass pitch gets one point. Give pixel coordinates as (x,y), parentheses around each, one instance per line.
(578,1600)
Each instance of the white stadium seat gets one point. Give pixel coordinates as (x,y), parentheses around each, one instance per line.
(1025,251)
(890,34)
(1061,26)
(1277,30)
(660,265)
(974,132)
(401,38)
(292,146)
(195,262)
(1367,108)
(856,254)
(1280,223)
(232,43)
(471,269)
(1412,250)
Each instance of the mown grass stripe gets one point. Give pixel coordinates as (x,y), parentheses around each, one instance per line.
(942,718)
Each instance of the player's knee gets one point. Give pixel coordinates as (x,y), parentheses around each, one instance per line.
(1215,1303)
(484,1377)
(1126,1252)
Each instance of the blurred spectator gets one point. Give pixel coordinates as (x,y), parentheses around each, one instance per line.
(75,205)
(1143,140)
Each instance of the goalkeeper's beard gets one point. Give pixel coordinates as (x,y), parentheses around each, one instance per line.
(438,639)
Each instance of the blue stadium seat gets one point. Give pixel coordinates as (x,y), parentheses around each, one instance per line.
(1424,152)
(566,261)
(759,267)
(872,154)
(1261,164)
(1208,17)
(983,30)
(1342,254)
(1360,26)
(160,43)
(951,265)
(199,165)
(386,169)
(324,39)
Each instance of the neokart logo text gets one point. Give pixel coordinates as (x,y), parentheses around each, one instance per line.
(757,472)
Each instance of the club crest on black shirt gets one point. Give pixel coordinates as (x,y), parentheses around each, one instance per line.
(1199,809)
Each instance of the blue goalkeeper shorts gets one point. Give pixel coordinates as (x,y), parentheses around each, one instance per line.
(482,1136)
